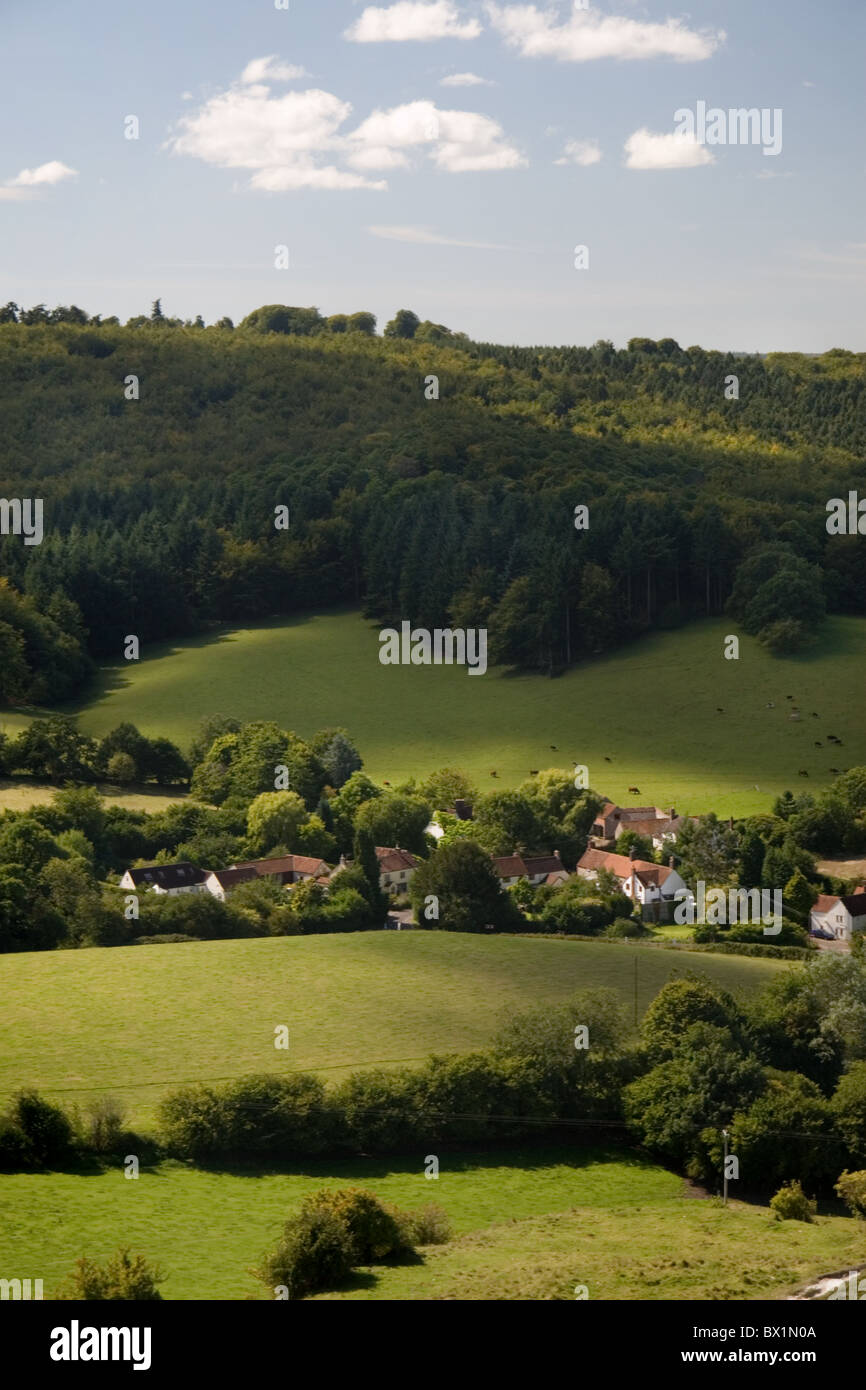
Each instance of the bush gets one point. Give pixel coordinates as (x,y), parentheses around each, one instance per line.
(314,1252)
(285,1116)
(44,1132)
(123,1276)
(374,1231)
(851,1187)
(791,1203)
(103,1127)
(380,1111)
(626,927)
(428,1226)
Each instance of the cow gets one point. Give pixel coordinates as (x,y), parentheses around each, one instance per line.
(803,774)
(636,790)
(818,745)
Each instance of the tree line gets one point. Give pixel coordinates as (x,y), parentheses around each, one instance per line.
(160,511)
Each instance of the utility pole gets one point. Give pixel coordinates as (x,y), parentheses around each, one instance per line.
(725,1174)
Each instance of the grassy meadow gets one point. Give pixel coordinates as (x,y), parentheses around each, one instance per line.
(651,708)
(138,1021)
(527,1223)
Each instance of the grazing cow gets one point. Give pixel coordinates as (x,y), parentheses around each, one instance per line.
(818,745)
(494,773)
(789,697)
(803,774)
(771,704)
(814,715)
(533,772)
(385,784)
(553,748)
(719,709)
(831,738)
(606,758)
(835,771)
(636,790)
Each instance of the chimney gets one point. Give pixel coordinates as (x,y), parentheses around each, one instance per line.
(671,861)
(632,854)
(673,815)
(556,854)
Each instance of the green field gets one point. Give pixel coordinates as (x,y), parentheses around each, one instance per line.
(527,1224)
(138,1021)
(651,708)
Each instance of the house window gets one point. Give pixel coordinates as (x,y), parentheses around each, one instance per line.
(838,917)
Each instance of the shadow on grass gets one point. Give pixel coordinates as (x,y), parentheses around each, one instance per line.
(352,1170)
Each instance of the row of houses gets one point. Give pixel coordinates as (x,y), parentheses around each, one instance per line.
(396,867)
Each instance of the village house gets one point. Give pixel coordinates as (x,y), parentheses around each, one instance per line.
(661,827)
(289,868)
(285,870)
(839,917)
(650,885)
(545,868)
(221,882)
(171,879)
(396,867)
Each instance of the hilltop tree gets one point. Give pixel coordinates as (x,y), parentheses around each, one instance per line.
(404,324)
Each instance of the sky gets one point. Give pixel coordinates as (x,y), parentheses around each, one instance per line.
(444,157)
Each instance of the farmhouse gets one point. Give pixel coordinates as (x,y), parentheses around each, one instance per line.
(222,881)
(171,879)
(396,867)
(641,881)
(547,868)
(288,869)
(839,917)
(657,825)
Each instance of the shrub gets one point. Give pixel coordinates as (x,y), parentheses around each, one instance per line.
(851,1187)
(45,1130)
(428,1226)
(374,1231)
(791,1203)
(103,1127)
(285,1116)
(380,1110)
(626,927)
(123,1276)
(314,1252)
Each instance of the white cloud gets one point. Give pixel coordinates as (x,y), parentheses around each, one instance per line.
(647,150)
(465,79)
(281,139)
(423,236)
(298,139)
(412,20)
(459,141)
(49,173)
(588,35)
(270,70)
(584,152)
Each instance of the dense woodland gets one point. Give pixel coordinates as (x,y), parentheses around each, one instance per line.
(160,511)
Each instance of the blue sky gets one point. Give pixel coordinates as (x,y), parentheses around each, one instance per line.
(395,187)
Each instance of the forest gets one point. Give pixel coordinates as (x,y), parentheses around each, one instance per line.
(164,450)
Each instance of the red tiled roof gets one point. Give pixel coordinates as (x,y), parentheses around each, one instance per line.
(620,864)
(855,903)
(391,861)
